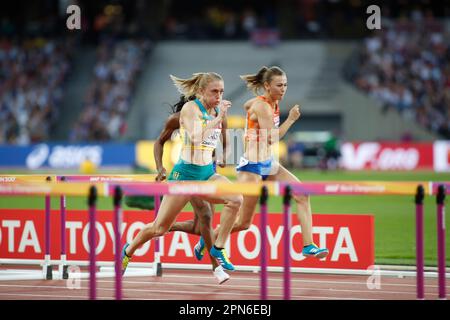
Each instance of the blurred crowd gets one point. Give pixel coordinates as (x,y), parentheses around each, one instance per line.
(216,22)
(109,95)
(406,66)
(32,75)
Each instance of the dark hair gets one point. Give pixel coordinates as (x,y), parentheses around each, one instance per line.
(179,105)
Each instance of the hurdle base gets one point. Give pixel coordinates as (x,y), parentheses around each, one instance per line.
(159,270)
(48,272)
(65,273)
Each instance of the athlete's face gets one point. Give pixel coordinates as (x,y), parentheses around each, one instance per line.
(212,94)
(277,87)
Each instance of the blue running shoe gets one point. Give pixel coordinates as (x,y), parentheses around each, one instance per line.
(314,251)
(199,249)
(222,258)
(125,259)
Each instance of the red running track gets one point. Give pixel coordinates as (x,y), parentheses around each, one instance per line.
(201,285)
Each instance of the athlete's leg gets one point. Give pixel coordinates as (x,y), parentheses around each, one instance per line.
(168,211)
(201,225)
(304,212)
(190,226)
(204,213)
(227,219)
(303,203)
(229,212)
(247,210)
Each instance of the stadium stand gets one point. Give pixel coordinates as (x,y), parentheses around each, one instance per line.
(108,98)
(406,66)
(32,76)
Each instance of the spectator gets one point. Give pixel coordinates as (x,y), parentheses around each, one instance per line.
(109,95)
(406,67)
(32,74)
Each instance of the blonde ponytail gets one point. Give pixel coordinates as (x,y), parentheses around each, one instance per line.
(190,87)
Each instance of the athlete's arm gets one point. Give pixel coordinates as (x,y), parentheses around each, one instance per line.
(172,124)
(265,121)
(222,162)
(294,114)
(189,117)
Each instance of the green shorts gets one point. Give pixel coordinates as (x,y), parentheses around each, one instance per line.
(188,171)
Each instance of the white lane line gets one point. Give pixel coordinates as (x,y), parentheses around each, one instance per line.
(65,296)
(228,286)
(207,292)
(300,280)
(140,298)
(258,279)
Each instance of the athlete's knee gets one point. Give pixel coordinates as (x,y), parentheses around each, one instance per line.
(242,225)
(203,212)
(205,219)
(155,230)
(196,229)
(201,208)
(234,202)
(302,199)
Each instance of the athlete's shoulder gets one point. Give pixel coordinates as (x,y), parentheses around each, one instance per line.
(249,103)
(257,103)
(189,107)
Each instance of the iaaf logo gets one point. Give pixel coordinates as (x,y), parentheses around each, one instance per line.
(63,156)
(334,188)
(110,179)
(372,155)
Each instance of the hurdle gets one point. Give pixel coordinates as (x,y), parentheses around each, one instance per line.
(47,267)
(117,243)
(439,190)
(63,264)
(92,199)
(63,267)
(420,285)
(263,209)
(440,198)
(286,237)
(273,188)
(157,262)
(138,178)
(286,246)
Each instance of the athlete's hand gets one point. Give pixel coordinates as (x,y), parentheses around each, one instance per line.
(221,164)
(161,175)
(294,113)
(223,107)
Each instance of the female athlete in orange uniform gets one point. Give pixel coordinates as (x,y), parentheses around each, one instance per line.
(262,131)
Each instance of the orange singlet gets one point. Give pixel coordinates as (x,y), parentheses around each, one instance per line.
(253,125)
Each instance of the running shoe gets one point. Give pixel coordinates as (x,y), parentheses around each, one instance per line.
(220,274)
(199,249)
(222,258)
(125,258)
(314,251)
